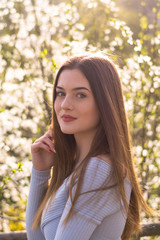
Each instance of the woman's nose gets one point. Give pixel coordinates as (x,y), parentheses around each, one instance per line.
(67,103)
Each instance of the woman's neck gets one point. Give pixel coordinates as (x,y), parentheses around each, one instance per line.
(83,142)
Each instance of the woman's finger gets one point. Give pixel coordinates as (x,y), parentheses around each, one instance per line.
(42,145)
(49,133)
(46,141)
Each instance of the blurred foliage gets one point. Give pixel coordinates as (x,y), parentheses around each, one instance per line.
(36,38)
(17,216)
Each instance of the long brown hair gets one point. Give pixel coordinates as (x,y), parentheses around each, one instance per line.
(112,137)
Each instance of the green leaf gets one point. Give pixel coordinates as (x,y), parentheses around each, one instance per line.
(8,178)
(154,10)
(20,166)
(107,10)
(143,3)
(53,63)
(144,22)
(158,15)
(4,181)
(43,53)
(33,140)
(54,66)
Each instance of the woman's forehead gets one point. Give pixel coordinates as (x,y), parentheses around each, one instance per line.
(72,78)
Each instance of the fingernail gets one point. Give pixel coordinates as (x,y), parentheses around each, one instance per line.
(50,150)
(54,150)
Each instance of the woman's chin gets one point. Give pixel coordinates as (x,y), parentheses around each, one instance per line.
(67,131)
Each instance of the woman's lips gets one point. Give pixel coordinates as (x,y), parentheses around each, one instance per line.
(68,118)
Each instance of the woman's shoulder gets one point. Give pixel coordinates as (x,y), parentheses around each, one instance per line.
(105,158)
(102,161)
(100,164)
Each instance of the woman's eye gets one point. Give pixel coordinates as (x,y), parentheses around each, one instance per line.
(60,94)
(81,95)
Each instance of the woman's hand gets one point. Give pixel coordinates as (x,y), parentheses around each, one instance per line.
(42,152)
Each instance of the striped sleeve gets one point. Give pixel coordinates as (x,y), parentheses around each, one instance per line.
(38,185)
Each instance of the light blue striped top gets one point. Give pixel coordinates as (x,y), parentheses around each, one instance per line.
(102,219)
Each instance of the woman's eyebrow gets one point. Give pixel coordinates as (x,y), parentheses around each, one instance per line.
(74,89)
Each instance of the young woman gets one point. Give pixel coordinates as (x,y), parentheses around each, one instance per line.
(83,182)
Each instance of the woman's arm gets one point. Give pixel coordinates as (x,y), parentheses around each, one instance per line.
(43,160)
(38,186)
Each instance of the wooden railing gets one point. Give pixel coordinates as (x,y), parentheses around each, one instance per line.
(148,230)
(13,236)
(152,229)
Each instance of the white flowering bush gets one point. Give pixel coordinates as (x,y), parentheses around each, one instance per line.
(36,37)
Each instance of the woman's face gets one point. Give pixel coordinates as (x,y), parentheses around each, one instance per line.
(74,105)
